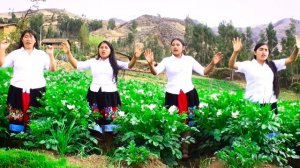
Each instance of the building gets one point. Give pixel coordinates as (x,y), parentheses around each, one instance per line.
(53,41)
(6,29)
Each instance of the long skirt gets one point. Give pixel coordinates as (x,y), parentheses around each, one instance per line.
(107,104)
(18,102)
(185,102)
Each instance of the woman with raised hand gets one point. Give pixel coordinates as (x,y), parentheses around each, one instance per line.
(28,82)
(103,96)
(180,91)
(260,73)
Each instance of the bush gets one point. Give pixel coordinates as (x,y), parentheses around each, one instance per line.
(295,87)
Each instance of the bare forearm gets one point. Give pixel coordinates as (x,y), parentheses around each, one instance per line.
(152,69)
(2,55)
(132,62)
(52,63)
(72,60)
(232,59)
(208,68)
(292,57)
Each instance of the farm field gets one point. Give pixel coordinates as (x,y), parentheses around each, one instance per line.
(228,130)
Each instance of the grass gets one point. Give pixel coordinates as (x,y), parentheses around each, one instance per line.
(22,158)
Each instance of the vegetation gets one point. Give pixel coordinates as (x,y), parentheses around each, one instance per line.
(226,123)
(236,130)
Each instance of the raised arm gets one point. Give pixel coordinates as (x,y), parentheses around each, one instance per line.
(150,59)
(138,50)
(292,58)
(3,46)
(50,51)
(237,46)
(215,60)
(66,48)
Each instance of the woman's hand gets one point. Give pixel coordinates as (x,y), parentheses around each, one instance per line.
(237,44)
(65,47)
(4,45)
(217,58)
(138,49)
(50,50)
(149,56)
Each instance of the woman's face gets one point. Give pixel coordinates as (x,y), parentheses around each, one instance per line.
(262,53)
(104,51)
(28,41)
(177,48)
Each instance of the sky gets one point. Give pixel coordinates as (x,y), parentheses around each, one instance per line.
(241,13)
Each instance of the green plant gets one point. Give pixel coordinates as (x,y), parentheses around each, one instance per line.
(23,159)
(243,153)
(295,87)
(132,154)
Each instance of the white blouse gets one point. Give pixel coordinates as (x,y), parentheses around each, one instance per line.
(259,80)
(102,73)
(28,69)
(179,72)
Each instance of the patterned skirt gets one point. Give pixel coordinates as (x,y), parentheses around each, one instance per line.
(185,102)
(18,102)
(107,104)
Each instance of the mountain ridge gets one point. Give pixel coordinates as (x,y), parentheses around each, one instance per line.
(162,27)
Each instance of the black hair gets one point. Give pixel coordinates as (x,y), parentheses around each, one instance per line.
(273,67)
(31,32)
(112,59)
(181,41)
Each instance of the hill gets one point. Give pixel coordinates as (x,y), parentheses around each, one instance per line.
(147,25)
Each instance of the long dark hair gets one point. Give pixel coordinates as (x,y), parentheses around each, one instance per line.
(112,59)
(272,65)
(181,41)
(31,32)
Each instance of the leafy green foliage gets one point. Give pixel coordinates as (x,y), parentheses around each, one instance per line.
(148,123)
(23,159)
(226,123)
(132,154)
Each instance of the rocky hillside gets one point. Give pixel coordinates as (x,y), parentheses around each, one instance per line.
(164,28)
(280,27)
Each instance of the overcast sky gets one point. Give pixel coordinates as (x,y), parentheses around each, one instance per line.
(242,13)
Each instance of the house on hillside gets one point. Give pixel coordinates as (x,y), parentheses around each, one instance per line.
(55,42)
(6,29)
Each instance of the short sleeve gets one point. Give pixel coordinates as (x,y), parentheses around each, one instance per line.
(241,66)
(197,67)
(161,66)
(122,65)
(9,60)
(47,61)
(84,65)
(280,64)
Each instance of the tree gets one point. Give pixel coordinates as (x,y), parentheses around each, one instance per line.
(226,33)
(13,19)
(111,24)
(262,37)
(95,24)
(84,36)
(36,23)
(288,45)
(133,26)
(51,33)
(271,39)
(248,42)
